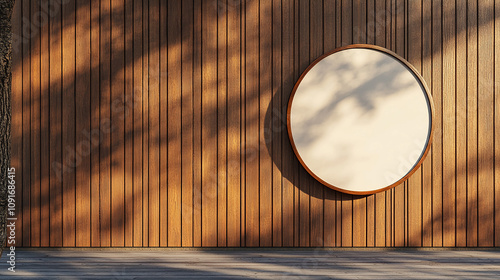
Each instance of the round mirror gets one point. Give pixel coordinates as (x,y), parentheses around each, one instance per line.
(360,119)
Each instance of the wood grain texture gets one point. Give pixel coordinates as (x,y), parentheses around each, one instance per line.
(265,149)
(55,176)
(83,124)
(69,157)
(287,155)
(485,123)
(104,128)
(427,164)
(171,114)
(145,122)
(234,118)
(461,124)
(222,127)
(276,125)
(472,156)
(197,79)
(496,136)
(182,105)
(137,132)
(415,181)
(252,186)
(162,80)
(35,97)
(449,131)
(128,116)
(209,125)
(117,110)
(154,124)
(187,124)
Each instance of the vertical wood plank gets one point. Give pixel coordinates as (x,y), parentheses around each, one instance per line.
(128,106)
(449,180)
(137,124)
(105,126)
(26,182)
(222,122)
(197,91)
(145,124)
(94,134)
(118,125)
(265,95)
(371,21)
(128,118)
(209,126)
(35,56)
(164,111)
(55,129)
(288,156)
(233,129)
(243,126)
(154,124)
(277,125)
(83,122)
(461,123)
(174,123)
(485,123)
(437,140)
(187,124)
(252,123)
(44,125)
(496,135)
(472,156)
(68,122)
(427,164)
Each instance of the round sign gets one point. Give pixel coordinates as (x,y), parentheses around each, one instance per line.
(360,119)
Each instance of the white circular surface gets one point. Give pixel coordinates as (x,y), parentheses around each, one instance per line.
(360,120)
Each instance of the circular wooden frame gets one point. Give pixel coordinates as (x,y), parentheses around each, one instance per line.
(429,102)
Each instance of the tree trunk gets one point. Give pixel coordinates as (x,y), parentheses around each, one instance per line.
(5,109)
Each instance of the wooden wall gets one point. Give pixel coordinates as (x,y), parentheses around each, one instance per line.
(162,123)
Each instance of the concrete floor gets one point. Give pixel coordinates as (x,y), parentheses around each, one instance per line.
(253,264)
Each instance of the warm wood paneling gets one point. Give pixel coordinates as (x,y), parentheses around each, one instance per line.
(146,123)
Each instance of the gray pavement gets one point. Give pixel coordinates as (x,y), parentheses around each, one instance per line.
(252,264)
